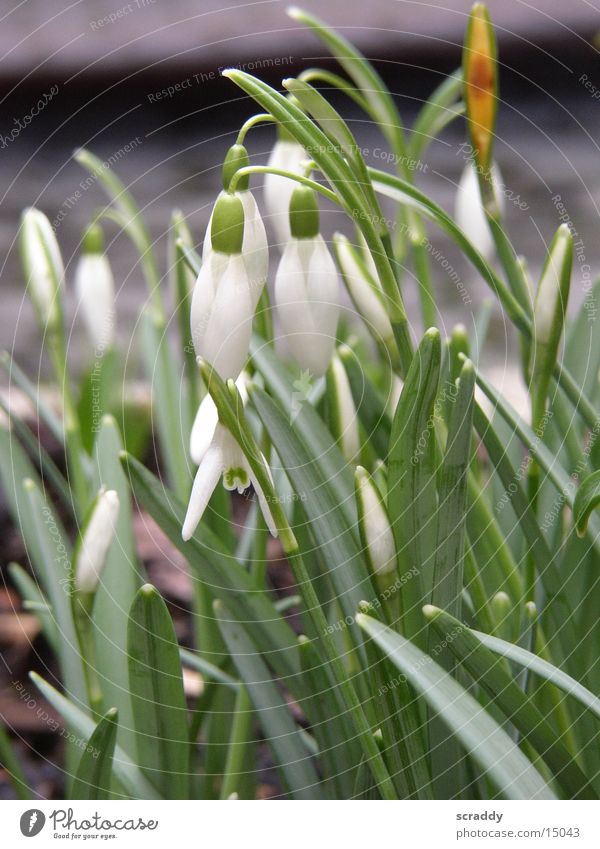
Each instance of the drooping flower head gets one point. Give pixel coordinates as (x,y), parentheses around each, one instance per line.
(307,287)
(222,304)
(95,289)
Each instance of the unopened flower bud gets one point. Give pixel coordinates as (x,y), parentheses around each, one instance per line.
(480,84)
(343,418)
(95,289)
(375,530)
(364,289)
(96,538)
(43,265)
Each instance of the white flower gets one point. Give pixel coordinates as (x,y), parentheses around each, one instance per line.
(43,265)
(307,291)
(206,420)
(222,313)
(375,530)
(97,537)
(469,212)
(224,458)
(95,289)
(364,287)
(287,155)
(255,248)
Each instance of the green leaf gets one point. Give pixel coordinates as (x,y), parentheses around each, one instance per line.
(484,740)
(308,425)
(94,773)
(362,73)
(411,478)
(586,500)
(11,766)
(543,669)
(157,697)
(557,603)
(452,491)
(31,594)
(221,572)
(125,770)
(436,113)
(49,549)
(370,405)
(278,726)
(341,553)
(120,581)
(168,406)
(41,408)
(49,471)
(488,671)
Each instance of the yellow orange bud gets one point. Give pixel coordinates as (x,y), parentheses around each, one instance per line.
(480,84)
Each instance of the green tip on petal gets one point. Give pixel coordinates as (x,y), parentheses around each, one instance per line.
(227,230)
(236,158)
(93,239)
(304,213)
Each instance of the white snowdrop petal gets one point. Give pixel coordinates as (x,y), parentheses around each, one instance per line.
(376,526)
(207,478)
(203,429)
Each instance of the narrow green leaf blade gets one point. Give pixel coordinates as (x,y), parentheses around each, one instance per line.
(489,746)
(157,697)
(278,726)
(94,773)
(586,500)
(126,771)
(411,478)
(487,670)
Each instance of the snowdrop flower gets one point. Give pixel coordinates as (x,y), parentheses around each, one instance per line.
(222,304)
(287,155)
(375,530)
(224,458)
(43,266)
(95,289)
(364,288)
(207,419)
(96,539)
(307,288)
(255,248)
(342,412)
(469,212)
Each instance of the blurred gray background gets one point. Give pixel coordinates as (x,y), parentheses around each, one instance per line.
(101,65)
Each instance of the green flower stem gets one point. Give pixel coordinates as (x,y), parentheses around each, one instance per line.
(82,617)
(255,120)
(72,433)
(267,169)
(183,322)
